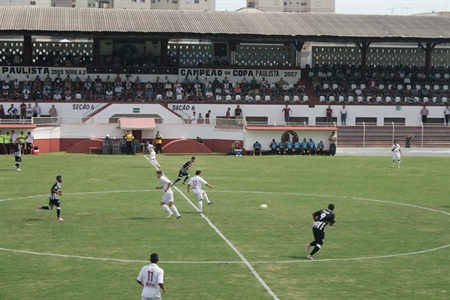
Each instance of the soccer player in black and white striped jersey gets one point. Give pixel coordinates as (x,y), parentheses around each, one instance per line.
(184,171)
(17,154)
(321,219)
(53,198)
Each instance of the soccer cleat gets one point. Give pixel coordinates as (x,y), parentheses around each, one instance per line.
(169,216)
(178,217)
(209,203)
(310,257)
(38,208)
(200,212)
(398,167)
(184,183)
(307,246)
(59,219)
(17,169)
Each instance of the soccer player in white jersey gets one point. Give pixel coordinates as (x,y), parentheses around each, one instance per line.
(195,184)
(152,157)
(151,278)
(168,195)
(397,154)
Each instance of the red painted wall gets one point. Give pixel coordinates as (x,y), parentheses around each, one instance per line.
(185,146)
(48,145)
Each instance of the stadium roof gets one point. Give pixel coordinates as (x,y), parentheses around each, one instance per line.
(228,25)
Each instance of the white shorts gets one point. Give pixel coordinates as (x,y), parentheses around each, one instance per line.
(167,198)
(200,195)
(396,157)
(153,161)
(156,298)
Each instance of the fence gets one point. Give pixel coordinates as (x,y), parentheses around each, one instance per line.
(367,135)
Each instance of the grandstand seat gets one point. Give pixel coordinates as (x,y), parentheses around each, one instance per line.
(444,100)
(418,87)
(425,99)
(350,99)
(78,96)
(399,87)
(257,98)
(427,86)
(353,86)
(325,85)
(434,99)
(322,98)
(331,98)
(416,99)
(291,86)
(296,98)
(321,74)
(238,98)
(287,98)
(159,97)
(311,74)
(360,99)
(438,75)
(218,98)
(273,86)
(305,98)
(379,99)
(436,87)
(341,99)
(381,86)
(446,76)
(408,87)
(397,99)
(329,74)
(388,99)
(267,98)
(228,98)
(179,97)
(445,87)
(362,86)
(335,86)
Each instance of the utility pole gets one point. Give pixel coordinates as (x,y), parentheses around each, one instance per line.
(392,9)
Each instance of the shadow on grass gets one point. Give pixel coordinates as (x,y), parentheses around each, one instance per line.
(33,220)
(298,257)
(143,218)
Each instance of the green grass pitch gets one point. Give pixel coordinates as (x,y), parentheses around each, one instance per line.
(376,250)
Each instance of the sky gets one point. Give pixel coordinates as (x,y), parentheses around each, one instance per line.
(378,7)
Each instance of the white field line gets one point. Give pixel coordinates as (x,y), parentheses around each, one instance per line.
(241,256)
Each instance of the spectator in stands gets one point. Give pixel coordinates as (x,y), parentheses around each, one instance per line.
(228,113)
(200,140)
(58,81)
(5,95)
(88,94)
(329,114)
(263,83)
(200,119)
(408,138)
(118,79)
(215,82)
(238,112)
(320,148)
(424,113)
(311,147)
(358,91)
(207,116)
(15,95)
(169,95)
(193,118)
(2,112)
(23,111)
(254,83)
(244,83)
(286,111)
(57,96)
(53,113)
(209,94)
(29,111)
(68,82)
(12,112)
(333,140)
(301,83)
(447,114)
(343,115)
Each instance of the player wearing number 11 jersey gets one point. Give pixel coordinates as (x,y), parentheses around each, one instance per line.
(321,219)
(151,278)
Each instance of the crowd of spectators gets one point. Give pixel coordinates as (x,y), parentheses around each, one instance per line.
(397,83)
(128,88)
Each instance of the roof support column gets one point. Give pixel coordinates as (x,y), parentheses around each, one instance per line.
(298,53)
(364,47)
(428,48)
(233,46)
(96,51)
(163,52)
(27,50)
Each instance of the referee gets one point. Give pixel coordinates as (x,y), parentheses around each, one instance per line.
(129,139)
(321,219)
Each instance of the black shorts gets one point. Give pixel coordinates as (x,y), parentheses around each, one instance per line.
(18,159)
(54,202)
(181,174)
(319,235)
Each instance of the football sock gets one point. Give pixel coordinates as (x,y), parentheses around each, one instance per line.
(200,205)
(399,162)
(45,207)
(58,212)
(17,165)
(166,208)
(316,248)
(393,162)
(178,179)
(175,210)
(313,243)
(186,178)
(206,198)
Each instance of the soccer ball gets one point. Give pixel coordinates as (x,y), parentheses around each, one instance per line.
(263,206)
